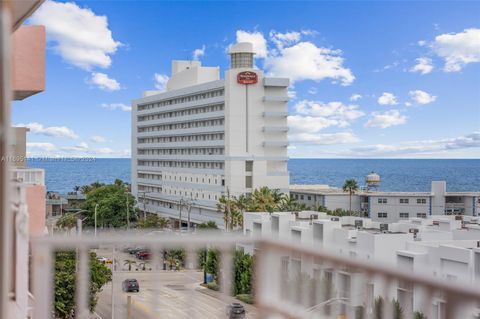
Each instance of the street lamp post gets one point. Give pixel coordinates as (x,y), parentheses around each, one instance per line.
(95,217)
(144,204)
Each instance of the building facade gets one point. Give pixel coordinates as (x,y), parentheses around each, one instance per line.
(390,206)
(206,137)
(443,247)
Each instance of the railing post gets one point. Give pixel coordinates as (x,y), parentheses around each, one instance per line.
(5,214)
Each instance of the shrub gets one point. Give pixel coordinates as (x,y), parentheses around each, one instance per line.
(246,298)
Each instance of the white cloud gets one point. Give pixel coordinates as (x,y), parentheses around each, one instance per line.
(82,38)
(458,49)
(82,147)
(47,147)
(422,97)
(57,131)
(198,53)
(284,39)
(98,139)
(103,82)
(312,90)
(161,81)
(468,141)
(257,39)
(393,65)
(324,138)
(116,106)
(355,97)
(424,66)
(422,43)
(309,124)
(387,99)
(337,113)
(292,94)
(306,61)
(312,117)
(386,119)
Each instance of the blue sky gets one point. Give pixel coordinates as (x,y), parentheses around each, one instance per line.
(370,79)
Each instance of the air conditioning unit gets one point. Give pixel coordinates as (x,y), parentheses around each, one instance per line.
(384,227)
(413,231)
(358,223)
(458,217)
(334,219)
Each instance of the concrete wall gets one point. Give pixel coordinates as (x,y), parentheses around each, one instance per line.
(35,196)
(28,71)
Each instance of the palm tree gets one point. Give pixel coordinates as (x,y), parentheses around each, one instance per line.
(143,265)
(68,221)
(263,200)
(226,205)
(351,187)
(288,204)
(76,188)
(171,261)
(278,196)
(85,189)
(129,262)
(236,219)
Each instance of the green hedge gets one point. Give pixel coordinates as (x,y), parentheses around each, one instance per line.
(246,298)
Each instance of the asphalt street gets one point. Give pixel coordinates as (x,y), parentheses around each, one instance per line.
(163,294)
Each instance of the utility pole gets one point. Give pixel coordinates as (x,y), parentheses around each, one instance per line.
(128,214)
(144,208)
(144,204)
(95,217)
(180,203)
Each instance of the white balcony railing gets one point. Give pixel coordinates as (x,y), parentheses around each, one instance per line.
(291,281)
(31,176)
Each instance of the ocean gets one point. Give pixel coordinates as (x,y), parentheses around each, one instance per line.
(396,174)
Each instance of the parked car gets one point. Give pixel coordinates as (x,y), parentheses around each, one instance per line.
(143,255)
(235,310)
(135,250)
(130,285)
(104,260)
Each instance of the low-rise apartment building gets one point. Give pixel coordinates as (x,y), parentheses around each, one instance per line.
(390,206)
(443,247)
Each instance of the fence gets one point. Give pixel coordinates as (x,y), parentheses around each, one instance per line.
(290,281)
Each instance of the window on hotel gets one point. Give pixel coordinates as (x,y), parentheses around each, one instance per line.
(422,215)
(404,215)
(404,200)
(382,200)
(421,200)
(301,197)
(248,182)
(382,215)
(309,197)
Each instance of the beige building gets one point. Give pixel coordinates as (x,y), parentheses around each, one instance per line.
(390,206)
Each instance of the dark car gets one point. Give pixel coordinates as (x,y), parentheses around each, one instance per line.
(130,285)
(135,250)
(235,310)
(143,255)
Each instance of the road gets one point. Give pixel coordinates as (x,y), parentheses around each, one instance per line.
(165,295)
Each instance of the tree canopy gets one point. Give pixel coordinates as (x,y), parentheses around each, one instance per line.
(260,200)
(65,280)
(113,200)
(153,221)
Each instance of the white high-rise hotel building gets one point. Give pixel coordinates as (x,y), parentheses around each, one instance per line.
(205,137)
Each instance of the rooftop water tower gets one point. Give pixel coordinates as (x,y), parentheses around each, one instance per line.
(372,181)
